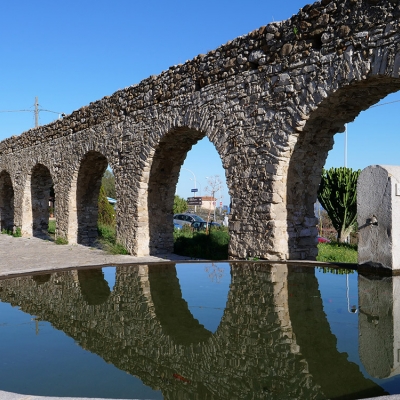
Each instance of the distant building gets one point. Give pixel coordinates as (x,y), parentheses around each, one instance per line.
(208,202)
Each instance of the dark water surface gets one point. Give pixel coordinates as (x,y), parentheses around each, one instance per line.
(201,331)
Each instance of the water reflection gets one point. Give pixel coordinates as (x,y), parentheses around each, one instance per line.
(379,325)
(273,340)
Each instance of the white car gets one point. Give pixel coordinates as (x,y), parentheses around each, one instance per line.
(186,219)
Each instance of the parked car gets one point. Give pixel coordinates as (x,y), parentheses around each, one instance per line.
(323,240)
(177,226)
(186,219)
(201,225)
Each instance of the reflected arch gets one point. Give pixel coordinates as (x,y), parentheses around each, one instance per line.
(6,202)
(83,201)
(94,287)
(172,310)
(310,153)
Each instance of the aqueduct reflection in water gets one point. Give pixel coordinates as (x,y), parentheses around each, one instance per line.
(273,338)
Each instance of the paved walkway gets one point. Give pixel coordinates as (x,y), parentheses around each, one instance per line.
(28,255)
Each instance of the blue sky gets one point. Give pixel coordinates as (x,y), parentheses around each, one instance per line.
(71,53)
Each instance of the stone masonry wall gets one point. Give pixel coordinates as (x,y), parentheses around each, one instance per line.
(270,102)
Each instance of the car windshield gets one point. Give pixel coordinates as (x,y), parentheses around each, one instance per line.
(197,218)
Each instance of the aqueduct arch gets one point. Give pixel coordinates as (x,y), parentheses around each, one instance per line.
(88,182)
(35,208)
(270,102)
(311,149)
(6,202)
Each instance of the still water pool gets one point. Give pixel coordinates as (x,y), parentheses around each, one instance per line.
(201,331)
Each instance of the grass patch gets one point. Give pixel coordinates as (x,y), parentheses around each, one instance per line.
(107,240)
(52,227)
(17,232)
(337,252)
(213,246)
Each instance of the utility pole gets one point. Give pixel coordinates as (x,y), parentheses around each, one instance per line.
(345,145)
(36,112)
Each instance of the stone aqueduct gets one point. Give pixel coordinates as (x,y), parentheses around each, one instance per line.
(270,102)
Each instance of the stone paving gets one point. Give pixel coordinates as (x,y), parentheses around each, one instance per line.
(27,255)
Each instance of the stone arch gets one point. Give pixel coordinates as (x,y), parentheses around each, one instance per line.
(311,150)
(35,213)
(6,202)
(164,174)
(83,199)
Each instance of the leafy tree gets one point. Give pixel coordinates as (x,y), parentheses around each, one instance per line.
(106,210)
(337,194)
(180,205)
(108,182)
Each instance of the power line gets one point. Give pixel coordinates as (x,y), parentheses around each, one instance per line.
(384,104)
(36,111)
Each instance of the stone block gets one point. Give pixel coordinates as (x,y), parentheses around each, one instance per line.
(378,216)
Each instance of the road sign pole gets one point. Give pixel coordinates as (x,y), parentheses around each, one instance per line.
(194,191)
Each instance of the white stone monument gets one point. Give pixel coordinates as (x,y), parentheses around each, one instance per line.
(378,216)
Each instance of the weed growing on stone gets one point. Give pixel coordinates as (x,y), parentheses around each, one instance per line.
(17,232)
(61,240)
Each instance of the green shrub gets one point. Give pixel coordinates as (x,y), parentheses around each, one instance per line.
(106,210)
(180,205)
(213,246)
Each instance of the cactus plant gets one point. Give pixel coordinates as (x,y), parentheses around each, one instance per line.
(337,194)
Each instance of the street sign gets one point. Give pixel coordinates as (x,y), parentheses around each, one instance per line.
(194,201)
(195,190)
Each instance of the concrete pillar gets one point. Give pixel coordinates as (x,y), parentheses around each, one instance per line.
(378,210)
